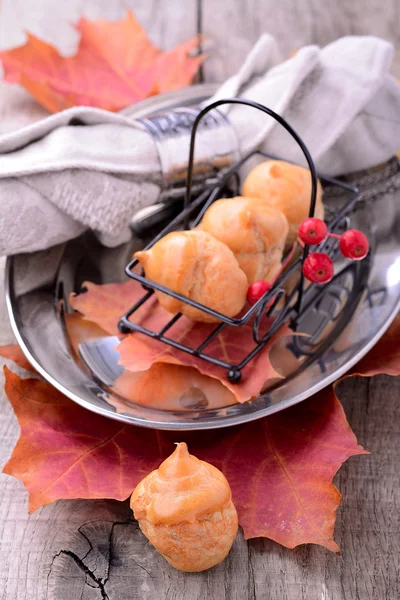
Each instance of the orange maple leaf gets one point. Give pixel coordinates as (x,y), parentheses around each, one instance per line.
(105,304)
(163,386)
(13,352)
(115,66)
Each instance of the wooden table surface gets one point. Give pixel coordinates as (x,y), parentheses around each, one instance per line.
(81,550)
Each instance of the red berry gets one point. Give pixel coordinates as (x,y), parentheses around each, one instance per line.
(312,231)
(354,244)
(256,290)
(318,267)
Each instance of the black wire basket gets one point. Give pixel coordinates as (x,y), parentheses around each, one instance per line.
(276,306)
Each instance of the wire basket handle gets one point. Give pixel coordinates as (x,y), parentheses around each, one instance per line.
(294,135)
(272,114)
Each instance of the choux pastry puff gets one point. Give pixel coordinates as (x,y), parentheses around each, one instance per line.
(197,266)
(185,510)
(255,232)
(286,187)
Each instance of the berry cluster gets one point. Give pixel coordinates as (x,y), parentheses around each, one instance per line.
(256,290)
(318,266)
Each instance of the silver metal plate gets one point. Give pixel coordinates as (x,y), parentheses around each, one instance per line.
(342,325)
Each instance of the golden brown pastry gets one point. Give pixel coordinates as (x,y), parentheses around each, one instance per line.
(200,267)
(255,232)
(185,510)
(286,187)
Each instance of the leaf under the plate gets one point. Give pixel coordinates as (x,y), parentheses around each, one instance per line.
(14,353)
(280,468)
(384,357)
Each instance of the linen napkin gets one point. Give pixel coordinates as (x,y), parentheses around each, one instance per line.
(88,168)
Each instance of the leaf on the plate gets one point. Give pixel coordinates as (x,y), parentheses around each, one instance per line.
(81,330)
(169,387)
(105,304)
(115,66)
(14,353)
(231,345)
(280,468)
(163,386)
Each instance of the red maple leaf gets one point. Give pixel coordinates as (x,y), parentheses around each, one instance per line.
(280,468)
(115,66)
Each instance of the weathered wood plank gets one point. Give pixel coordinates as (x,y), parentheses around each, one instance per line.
(233,27)
(236,25)
(165,27)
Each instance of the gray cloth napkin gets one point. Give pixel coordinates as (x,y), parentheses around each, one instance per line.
(88,168)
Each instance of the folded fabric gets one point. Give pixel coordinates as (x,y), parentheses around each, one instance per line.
(86,167)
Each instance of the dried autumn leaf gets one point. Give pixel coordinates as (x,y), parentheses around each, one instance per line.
(105,304)
(163,386)
(169,387)
(289,459)
(115,66)
(384,357)
(280,468)
(231,345)
(62,448)
(14,353)
(81,330)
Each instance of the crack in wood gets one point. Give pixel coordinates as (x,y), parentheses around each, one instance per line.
(251,578)
(79,562)
(100,582)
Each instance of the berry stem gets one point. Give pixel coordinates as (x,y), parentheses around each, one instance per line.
(334,235)
(287,260)
(289,257)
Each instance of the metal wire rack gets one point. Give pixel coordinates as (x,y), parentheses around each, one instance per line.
(276,306)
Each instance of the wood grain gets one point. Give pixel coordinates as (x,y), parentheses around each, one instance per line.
(294,24)
(232,27)
(56,25)
(83,550)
